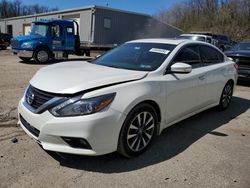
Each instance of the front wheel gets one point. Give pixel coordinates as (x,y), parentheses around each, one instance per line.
(138,131)
(41,55)
(226,96)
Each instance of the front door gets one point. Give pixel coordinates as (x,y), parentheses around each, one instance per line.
(185,93)
(58,38)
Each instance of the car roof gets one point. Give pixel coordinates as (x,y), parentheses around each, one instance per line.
(174,41)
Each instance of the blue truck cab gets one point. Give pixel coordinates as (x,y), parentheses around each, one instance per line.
(48,39)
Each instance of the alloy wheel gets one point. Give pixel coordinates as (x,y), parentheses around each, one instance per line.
(227,95)
(140,131)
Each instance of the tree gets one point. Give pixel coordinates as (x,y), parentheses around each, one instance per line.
(231,17)
(16,8)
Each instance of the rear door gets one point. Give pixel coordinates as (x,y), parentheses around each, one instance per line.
(186,93)
(216,67)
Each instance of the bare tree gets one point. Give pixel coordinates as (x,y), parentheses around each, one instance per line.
(16,8)
(231,17)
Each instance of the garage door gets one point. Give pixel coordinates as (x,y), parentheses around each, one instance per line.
(26,29)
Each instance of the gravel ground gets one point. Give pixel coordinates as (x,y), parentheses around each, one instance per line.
(211,149)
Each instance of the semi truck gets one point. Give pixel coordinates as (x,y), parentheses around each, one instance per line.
(53,39)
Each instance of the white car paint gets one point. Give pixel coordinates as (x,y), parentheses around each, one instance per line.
(78,76)
(178,96)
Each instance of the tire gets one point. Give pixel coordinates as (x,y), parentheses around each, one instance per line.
(226,96)
(41,55)
(87,53)
(25,58)
(137,133)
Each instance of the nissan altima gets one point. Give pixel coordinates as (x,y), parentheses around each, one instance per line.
(123,99)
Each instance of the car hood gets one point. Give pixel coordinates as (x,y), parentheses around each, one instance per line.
(26,38)
(244,53)
(73,77)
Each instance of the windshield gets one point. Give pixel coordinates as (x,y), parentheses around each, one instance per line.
(193,38)
(241,46)
(136,56)
(39,29)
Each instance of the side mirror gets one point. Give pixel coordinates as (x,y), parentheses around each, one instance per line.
(181,68)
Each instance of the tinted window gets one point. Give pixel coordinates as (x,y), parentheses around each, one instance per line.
(210,55)
(241,46)
(189,55)
(222,37)
(136,56)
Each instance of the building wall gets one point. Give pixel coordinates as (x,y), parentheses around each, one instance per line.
(17,25)
(83,16)
(102,25)
(124,26)
(129,26)
(85,25)
(2,26)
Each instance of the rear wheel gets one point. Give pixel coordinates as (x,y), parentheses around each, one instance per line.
(138,131)
(25,58)
(226,96)
(87,53)
(41,55)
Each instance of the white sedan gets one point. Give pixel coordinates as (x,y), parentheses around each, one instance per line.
(123,99)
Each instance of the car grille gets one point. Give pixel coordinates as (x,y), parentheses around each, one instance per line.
(15,43)
(36,98)
(30,128)
(243,62)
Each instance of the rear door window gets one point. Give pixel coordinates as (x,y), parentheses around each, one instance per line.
(210,55)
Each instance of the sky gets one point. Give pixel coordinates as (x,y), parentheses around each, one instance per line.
(144,6)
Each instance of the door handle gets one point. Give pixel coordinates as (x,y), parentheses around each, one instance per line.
(202,77)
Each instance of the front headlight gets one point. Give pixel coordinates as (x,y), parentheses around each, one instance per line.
(78,107)
(26,45)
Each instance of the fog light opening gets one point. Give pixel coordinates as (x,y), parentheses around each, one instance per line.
(80,143)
